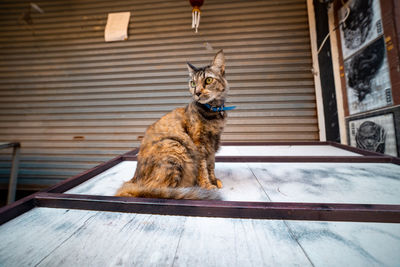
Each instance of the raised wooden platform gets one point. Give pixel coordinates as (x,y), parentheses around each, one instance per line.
(304,204)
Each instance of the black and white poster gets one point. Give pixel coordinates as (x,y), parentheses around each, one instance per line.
(367,78)
(361,26)
(375,133)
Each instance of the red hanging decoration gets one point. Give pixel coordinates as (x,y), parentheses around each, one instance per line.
(196,4)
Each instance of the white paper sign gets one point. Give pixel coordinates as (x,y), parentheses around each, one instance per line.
(117,26)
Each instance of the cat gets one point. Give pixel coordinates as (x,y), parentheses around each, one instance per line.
(176,158)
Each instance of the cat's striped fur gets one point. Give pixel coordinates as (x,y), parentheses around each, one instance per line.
(177,154)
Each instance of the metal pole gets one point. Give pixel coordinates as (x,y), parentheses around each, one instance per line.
(12,186)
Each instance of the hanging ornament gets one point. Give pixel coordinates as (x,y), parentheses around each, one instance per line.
(196,4)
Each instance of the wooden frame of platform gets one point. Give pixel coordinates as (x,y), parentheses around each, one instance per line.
(55,197)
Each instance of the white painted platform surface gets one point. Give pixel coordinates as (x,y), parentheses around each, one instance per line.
(59,237)
(240,183)
(367,183)
(282,150)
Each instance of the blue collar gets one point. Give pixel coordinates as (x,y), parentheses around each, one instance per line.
(220,108)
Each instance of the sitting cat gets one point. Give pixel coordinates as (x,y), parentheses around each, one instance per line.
(177,154)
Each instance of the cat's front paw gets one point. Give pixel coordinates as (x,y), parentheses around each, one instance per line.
(210,187)
(219,183)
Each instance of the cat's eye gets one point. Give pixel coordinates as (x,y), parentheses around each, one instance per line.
(209,80)
(192,84)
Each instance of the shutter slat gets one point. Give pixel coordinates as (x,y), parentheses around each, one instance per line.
(73,100)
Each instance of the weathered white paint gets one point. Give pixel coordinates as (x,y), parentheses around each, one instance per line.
(281,150)
(238,180)
(236,242)
(33,236)
(121,239)
(59,237)
(239,183)
(108,182)
(368,183)
(348,244)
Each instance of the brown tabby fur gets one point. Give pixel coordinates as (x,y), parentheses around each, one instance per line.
(177,154)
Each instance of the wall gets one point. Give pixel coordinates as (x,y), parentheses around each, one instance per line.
(370,74)
(73,100)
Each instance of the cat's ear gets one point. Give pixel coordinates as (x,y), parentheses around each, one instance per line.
(192,69)
(218,63)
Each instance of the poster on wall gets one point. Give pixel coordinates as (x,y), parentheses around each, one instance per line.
(375,133)
(361,26)
(367,78)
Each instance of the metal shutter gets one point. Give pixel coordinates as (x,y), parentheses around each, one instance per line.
(73,100)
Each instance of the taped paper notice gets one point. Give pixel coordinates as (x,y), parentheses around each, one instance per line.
(117,26)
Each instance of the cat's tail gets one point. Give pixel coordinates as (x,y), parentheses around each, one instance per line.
(130,189)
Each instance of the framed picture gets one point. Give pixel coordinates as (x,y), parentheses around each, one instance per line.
(361,26)
(376,133)
(368,79)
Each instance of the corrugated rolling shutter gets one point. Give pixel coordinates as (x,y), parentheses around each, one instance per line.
(73,100)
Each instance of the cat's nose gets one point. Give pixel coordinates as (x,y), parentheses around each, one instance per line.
(198,93)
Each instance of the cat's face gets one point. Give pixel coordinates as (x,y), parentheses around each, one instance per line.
(208,84)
